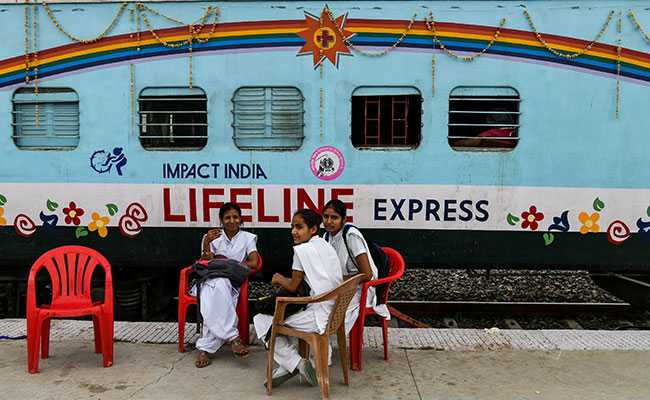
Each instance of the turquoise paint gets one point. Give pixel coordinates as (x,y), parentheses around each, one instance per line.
(569,134)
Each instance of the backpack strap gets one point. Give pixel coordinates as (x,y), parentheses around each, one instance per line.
(346,229)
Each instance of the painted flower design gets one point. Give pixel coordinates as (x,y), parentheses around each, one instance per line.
(72,213)
(589,222)
(98,224)
(530,219)
(3,221)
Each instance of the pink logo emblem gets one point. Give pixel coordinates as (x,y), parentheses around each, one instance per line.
(327,163)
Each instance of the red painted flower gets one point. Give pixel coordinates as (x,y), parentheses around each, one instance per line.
(72,213)
(530,218)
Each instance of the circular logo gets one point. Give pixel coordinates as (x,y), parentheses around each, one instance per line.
(327,163)
(325,38)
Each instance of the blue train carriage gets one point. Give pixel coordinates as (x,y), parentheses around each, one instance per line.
(464,134)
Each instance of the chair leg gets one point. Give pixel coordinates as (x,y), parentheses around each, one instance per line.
(269,363)
(321,353)
(45,338)
(98,334)
(242,314)
(303,349)
(107,338)
(33,343)
(182,313)
(343,353)
(384,332)
(357,352)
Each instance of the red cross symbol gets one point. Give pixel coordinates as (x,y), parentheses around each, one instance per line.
(325,39)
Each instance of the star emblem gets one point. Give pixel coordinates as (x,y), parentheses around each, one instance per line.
(325,37)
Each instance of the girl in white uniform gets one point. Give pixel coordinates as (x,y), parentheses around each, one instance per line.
(317,263)
(334,214)
(218,296)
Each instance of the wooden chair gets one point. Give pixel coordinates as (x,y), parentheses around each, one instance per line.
(342,295)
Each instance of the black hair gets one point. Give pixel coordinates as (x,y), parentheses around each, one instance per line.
(337,205)
(227,207)
(311,218)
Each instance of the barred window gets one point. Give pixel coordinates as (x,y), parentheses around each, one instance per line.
(268,118)
(386,117)
(48,120)
(483,118)
(173,118)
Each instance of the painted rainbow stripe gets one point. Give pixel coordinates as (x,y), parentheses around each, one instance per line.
(260,35)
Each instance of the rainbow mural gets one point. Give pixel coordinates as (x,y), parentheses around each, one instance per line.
(513,44)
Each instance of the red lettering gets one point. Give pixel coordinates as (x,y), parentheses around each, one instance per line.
(261,217)
(286,201)
(234,194)
(338,192)
(208,204)
(305,200)
(193,205)
(167,213)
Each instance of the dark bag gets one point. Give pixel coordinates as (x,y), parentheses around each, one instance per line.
(376,252)
(266,304)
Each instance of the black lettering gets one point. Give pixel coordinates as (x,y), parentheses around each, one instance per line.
(479,209)
(397,209)
(432,209)
(201,174)
(183,170)
(415,206)
(465,207)
(245,171)
(379,208)
(450,210)
(259,172)
(233,171)
(191,173)
(215,167)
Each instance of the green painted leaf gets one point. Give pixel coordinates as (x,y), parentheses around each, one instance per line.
(81,232)
(51,205)
(112,209)
(548,238)
(512,219)
(646,211)
(3,200)
(598,205)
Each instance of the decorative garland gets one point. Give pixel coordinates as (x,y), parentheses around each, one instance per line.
(619,40)
(638,26)
(74,38)
(568,55)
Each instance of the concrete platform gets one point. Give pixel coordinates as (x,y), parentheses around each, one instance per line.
(158,371)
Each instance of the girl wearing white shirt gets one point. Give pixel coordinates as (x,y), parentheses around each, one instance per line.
(334,214)
(316,262)
(218,296)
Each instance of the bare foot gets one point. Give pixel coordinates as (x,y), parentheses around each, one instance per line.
(202,360)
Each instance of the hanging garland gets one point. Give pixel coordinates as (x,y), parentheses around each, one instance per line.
(568,55)
(638,26)
(431,27)
(37,108)
(619,40)
(74,38)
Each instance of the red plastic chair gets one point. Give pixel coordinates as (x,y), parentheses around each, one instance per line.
(70,269)
(185,300)
(397,265)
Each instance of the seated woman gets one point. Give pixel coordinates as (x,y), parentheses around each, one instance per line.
(218,296)
(315,261)
(355,258)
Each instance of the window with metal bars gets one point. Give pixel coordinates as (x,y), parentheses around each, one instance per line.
(173,118)
(270,118)
(386,117)
(483,118)
(48,120)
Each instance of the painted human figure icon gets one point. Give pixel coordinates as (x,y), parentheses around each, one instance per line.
(102,161)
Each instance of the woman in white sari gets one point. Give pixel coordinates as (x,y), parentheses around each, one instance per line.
(218,296)
(315,262)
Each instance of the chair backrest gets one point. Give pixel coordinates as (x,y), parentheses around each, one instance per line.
(70,269)
(396,267)
(344,293)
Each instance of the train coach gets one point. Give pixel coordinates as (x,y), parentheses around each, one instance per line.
(465,134)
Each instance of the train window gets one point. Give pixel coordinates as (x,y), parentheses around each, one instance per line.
(483,118)
(269,118)
(47,120)
(173,118)
(386,117)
